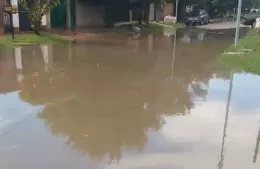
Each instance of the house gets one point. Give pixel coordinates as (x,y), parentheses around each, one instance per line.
(77,14)
(20,19)
(68,14)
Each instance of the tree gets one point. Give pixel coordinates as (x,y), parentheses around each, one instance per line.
(256,3)
(224,6)
(36,10)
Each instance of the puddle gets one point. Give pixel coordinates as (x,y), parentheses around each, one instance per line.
(144,104)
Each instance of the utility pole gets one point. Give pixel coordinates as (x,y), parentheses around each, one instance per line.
(238,20)
(176,9)
(130,11)
(173,54)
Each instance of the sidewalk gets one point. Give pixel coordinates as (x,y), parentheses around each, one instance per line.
(216,20)
(90,34)
(221,25)
(73,35)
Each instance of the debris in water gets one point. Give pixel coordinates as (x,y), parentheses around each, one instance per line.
(234,53)
(136,29)
(145,107)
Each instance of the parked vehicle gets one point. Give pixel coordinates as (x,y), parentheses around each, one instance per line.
(197,16)
(250,18)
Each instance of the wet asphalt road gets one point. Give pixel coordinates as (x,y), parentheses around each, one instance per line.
(222,25)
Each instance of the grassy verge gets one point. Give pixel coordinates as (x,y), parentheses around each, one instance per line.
(28,39)
(175,25)
(157,27)
(152,28)
(246,55)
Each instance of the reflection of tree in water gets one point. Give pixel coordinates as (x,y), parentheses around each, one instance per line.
(174,99)
(102,110)
(98,129)
(104,115)
(198,65)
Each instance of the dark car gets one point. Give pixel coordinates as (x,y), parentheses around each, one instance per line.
(198,16)
(250,18)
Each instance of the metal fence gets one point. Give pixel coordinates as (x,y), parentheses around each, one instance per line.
(7,22)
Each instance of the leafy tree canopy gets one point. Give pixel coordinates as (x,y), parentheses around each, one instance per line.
(36,10)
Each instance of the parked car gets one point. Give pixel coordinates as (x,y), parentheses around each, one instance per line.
(250,18)
(197,16)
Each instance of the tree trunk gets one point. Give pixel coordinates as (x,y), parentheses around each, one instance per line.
(147,12)
(146,16)
(109,20)
(37,27)
(37,32)
(210,10)
(140,13)
(155,11)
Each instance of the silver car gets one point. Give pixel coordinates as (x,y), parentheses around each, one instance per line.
(197,16)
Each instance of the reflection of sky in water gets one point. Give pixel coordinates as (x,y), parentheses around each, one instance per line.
(195,140)
(245,93)
(13,110)
(182,142)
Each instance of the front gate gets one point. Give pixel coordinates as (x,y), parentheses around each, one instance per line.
(58,15)
(24,22)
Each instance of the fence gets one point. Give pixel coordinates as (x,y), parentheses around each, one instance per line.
(7,22)
(24,24)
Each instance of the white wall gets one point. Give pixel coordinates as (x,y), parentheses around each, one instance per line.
(44,20)
(16,15)
(151,15)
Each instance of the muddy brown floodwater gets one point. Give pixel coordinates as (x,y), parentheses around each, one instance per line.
(142,103)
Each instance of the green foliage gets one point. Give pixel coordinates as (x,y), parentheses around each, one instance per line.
(225,5)
(152,29)
(37,10)
(249,61)
(256,3)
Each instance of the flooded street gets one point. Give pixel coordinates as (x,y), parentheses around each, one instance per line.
(153,102)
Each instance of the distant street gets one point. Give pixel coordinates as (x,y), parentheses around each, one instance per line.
(220,25)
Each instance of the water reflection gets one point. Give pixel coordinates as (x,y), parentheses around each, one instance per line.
(257,145)
(224,138)
(103,111)
(140,100)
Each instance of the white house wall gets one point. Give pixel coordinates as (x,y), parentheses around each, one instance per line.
(44,20)
(15,17)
